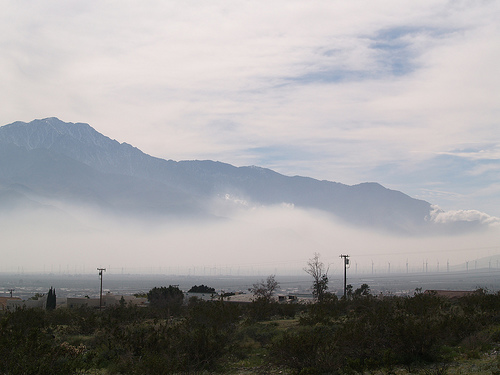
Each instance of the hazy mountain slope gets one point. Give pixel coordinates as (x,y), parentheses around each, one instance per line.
(42,173)
(75,162)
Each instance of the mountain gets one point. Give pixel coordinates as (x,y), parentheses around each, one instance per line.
(50,160)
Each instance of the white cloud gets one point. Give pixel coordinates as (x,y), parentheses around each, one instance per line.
(443,217)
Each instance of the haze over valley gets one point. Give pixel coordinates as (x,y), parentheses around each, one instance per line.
(242,138)
(72,198)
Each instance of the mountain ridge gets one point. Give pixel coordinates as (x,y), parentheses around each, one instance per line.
(74,161)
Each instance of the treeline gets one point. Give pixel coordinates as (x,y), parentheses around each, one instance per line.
(334,336)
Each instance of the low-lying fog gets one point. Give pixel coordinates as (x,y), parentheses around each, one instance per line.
(247,241)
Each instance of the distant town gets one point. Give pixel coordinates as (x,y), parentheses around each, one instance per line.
(31,290)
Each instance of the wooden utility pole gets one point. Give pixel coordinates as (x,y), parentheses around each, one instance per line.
(100,297)
(11,290)
(346,263)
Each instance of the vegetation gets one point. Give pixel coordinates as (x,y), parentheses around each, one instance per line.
(51,299)
(201,289)
(263,306)
(169,299)
(421,334)
(317,270)
(265,289)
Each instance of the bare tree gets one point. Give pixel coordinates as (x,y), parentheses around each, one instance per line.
(317,270)
(265,289)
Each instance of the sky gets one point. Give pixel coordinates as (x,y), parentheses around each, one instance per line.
(403,93)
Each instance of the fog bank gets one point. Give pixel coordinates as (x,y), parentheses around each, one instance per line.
(245,241)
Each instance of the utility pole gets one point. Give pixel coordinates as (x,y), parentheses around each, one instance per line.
(100,297)
(11,290)
(346,262)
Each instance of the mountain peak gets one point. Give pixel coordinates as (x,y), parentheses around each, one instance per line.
(45,133)
(78,141)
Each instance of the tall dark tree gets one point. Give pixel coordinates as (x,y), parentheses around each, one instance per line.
(51,299)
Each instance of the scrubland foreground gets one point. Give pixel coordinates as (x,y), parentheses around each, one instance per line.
(363,334)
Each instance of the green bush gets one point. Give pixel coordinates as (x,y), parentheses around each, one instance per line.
(169,299)
(308,349)
(28,346)
(259,332)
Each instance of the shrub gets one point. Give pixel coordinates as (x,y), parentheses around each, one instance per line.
(170,299)
(308,348)
(27,346)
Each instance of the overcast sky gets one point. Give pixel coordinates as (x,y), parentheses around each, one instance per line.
(404,93)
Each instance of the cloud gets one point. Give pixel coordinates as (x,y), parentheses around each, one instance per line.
(487,152)
(444,217)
